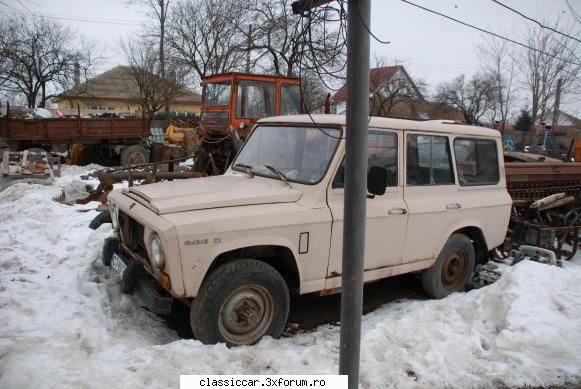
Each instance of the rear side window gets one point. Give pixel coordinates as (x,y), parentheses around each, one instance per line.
(382,152)
(476,161)
(256,99)
(290,99)
(428,161)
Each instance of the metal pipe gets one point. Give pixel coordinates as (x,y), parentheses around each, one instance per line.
(355,188)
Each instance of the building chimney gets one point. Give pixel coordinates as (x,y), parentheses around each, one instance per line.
(77,74)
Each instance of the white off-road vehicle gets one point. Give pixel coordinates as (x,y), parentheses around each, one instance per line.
(234,247)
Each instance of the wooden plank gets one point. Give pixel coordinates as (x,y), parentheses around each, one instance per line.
(24,159)
(6,163)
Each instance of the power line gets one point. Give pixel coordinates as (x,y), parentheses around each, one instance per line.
(88,20)
(74,18)
(383,42)
(491,33)
(535,21)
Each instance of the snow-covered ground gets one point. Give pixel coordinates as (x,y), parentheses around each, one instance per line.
(64,323)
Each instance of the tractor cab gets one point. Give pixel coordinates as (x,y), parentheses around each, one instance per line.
(238,100)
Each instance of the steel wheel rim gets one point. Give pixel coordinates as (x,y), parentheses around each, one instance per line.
(246,314)
(454,269)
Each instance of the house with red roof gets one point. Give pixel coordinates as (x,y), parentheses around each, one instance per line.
(392,93)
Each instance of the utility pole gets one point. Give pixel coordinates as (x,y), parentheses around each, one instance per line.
(555,122)
(248,48)
(355,202)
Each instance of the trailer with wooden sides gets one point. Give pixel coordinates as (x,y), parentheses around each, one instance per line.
(121,138)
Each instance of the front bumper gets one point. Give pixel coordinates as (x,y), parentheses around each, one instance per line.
(135,279)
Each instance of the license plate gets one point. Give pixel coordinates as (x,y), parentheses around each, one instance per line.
(118,264)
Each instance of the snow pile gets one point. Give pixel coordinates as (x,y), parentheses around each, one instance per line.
(64,323)
(522,330)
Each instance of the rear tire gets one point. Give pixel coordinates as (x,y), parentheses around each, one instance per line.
(134,155)
(453,269)
(239,303)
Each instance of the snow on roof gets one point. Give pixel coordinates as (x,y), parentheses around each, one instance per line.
(64,323)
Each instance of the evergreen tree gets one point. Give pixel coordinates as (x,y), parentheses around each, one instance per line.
(525,121)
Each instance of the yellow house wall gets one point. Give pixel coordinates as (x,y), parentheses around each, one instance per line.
(122,106)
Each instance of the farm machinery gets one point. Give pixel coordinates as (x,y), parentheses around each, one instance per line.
(546,207)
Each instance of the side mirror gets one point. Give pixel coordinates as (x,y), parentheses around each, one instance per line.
(376,180)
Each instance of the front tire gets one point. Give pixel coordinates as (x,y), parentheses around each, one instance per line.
(452,270)
(239,303)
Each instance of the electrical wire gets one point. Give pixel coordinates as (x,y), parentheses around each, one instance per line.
(383,42)
(535,21)
(491,33)
(307,46)
(73,18)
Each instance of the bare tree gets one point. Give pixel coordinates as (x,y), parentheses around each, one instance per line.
(39,58)
(159,11)
(207,35)
(314,92)
(550,57)
(497,60)
(474,98)
(390,85)
(6,46)
(155,91)
(283,43)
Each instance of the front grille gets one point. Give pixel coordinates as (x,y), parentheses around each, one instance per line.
(132,233)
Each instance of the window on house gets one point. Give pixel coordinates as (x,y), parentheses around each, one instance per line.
(428,161)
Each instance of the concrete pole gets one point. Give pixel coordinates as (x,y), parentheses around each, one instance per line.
(355,188)
(556,108)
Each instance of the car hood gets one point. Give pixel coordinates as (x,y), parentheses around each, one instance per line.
(211,192)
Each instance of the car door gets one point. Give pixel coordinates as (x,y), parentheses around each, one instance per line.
(386,215)
(431,196)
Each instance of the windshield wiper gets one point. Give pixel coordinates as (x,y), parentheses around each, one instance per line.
(245,169)
(278,173)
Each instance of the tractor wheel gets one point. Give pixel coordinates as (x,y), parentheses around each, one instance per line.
(134,155)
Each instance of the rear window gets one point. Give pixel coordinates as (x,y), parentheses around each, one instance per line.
(476,162)
(428,161)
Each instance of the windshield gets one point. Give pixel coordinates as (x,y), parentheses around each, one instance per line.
(301,154)
(217,94)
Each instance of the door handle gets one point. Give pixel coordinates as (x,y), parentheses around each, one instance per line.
(453,206)
(397,211)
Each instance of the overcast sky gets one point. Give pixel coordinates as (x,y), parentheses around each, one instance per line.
(434,48)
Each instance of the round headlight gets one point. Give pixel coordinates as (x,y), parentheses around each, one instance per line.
(156,249)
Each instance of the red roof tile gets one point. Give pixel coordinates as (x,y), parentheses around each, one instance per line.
(377,77)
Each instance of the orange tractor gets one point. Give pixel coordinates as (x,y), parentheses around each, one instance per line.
(231,104)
